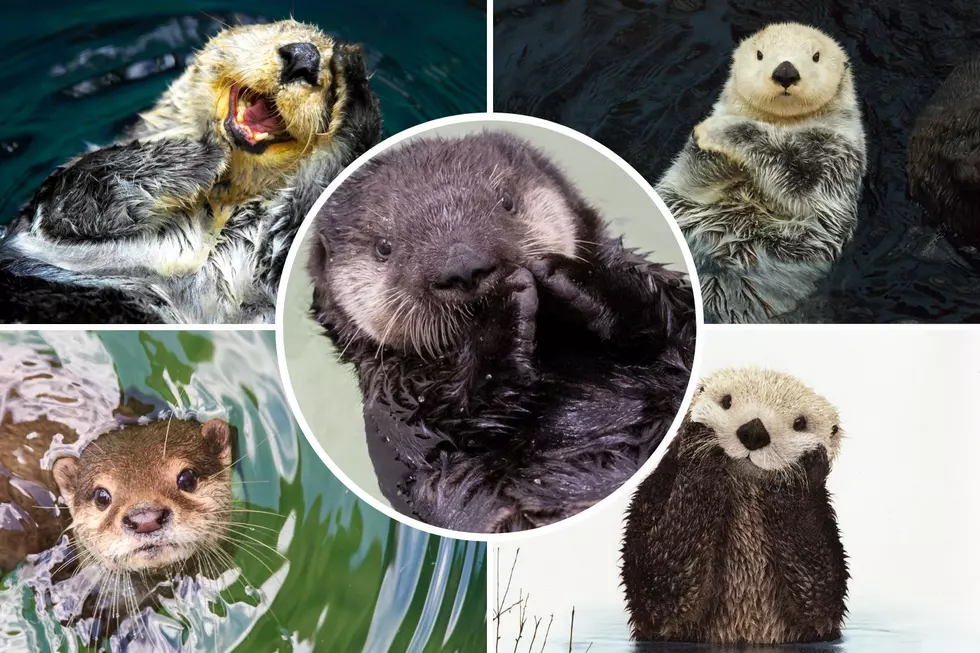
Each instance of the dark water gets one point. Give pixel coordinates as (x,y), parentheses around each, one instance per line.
(606,631)
(638,75)
(75,73)
(322,571)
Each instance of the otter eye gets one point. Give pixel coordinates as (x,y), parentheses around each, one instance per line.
(102,498)
(816,57)
(187,480)
(726,402)
(507,202)
(834,429)
(758,55)
(799,424)
(382,247)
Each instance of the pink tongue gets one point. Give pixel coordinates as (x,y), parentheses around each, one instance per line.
(259,117)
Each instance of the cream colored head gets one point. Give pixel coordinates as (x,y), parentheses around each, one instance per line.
(788,70)
(765,417)
(274,92)
(148,497)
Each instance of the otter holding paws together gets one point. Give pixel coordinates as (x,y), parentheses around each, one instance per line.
(766,189)
(733,539)
(517,364)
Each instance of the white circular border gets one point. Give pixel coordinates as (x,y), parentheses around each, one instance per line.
(490,538)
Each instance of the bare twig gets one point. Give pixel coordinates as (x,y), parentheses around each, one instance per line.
(534,634)
(546,631)
(502,599)
(571,630)
(521,620)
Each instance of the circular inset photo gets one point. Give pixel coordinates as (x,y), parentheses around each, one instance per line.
(488,324)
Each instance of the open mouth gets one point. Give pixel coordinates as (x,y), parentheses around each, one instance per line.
(253,120)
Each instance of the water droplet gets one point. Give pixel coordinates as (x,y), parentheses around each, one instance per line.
(422,400)
(489,376)
(537,481)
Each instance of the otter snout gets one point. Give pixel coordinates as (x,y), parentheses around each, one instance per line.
(786,74)
(146,519)
(300,61)
(464,269)
(753,434)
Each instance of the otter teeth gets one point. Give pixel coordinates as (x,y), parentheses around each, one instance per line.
(260,136)
(240,115)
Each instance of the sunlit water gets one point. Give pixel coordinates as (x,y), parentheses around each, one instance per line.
(344,578)
(606,631)
(638,75)
(76,73)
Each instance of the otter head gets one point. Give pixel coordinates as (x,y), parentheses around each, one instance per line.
(788,70)
(414,242)
(147,497)
(765,420)
(277,93)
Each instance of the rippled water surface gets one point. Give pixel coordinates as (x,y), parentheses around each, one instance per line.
(606,631)
(75,73)
(637,75)
(343,577)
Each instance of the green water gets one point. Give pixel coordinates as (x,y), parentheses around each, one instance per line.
(345,578)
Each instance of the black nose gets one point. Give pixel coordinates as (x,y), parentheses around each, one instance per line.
(299,61)
(146,520)
(753,434)
(786,74)
(464,269)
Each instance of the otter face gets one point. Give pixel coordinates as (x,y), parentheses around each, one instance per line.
(766,418)
(146,499)
(275,92)
(788,70)
(415,241)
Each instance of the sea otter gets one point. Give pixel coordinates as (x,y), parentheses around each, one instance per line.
(733,540)
(944,159)
(517,364)
(188,217)
(766,189)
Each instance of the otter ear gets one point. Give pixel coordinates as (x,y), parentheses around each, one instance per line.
(65,472)
(218,433)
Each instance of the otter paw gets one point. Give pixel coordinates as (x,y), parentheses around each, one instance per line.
(816,464)
(522,291)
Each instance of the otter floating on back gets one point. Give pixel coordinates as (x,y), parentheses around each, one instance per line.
(516,363)
(766,190)
(944,159)
(733,540)
(188,218)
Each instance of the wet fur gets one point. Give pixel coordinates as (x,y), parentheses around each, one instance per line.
(556,387)
(717,551)
(768,201)
(944,158)
(171,224)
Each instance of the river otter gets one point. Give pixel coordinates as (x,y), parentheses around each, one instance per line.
(733,539)
(189,216)
(944,159)
(517,364)
(766,189)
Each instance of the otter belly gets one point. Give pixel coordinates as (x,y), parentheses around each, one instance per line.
(757,293)
(748,610)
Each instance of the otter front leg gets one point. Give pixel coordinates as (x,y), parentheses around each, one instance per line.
(810,562)
(122,191)
(673,543)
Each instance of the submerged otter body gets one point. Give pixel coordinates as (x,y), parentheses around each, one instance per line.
(766,189)
(944,159)
(733,540)
(517,364)
(188,218)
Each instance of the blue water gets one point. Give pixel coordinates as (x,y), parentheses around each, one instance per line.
(76,73)
(324,571)
(605,631)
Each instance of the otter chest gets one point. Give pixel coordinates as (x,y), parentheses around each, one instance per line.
(749,585)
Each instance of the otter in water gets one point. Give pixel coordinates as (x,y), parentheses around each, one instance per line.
(188,217)
(766,189)
(944,159)
(733,540)
(517,364)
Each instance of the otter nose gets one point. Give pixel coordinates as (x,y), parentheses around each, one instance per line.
(300,61)
(786,74)
(146,520)
(464,269)
(753,434)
